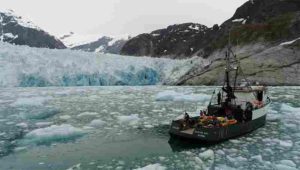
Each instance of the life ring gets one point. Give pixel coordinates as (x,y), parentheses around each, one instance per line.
(231,122)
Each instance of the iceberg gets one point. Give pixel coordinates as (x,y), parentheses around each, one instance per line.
(23,66)
(52,133)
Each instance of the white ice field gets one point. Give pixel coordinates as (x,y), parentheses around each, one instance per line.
(22,66)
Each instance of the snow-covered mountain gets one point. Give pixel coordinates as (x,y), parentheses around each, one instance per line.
(72,39)
(18,30)
(92,43)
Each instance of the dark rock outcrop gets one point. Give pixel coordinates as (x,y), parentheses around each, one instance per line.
(269,21)
(16,31)
(176,40)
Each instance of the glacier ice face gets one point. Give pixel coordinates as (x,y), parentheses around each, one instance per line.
(22,66)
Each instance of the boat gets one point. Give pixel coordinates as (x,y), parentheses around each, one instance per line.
(237,108)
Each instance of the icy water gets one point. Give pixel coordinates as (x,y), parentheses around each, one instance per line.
(127,128)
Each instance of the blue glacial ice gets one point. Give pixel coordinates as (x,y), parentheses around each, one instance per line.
(22,66)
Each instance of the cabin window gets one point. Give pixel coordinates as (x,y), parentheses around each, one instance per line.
(260,95)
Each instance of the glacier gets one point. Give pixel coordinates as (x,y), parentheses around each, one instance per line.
(23,66)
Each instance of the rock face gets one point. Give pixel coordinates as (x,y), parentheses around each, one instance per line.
(104,45)
(271,65)
(176,40)
(16,30)
(257,32)
(257,20)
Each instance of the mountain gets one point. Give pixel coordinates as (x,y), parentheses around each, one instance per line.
(265,35)
(176,40)
(104,44)
(17,30)
(269,21)
(91,43)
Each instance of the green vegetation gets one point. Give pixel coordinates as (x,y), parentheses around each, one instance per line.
(271,30)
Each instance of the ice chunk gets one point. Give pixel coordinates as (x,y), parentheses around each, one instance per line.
(43,124)
(30,101)
(75,167)
(288,163)
(288,108)
(287,143)
(257,158)
(53,133)
(65,117)
(156,166)
(39,113)
(131,119)
(88,114)
(22,125)
(209,154)
(97,123)
(175,96)
(284,167)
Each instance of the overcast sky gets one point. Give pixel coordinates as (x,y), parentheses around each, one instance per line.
(118,17)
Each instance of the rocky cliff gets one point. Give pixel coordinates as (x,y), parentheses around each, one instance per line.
(16,30)
(263,33)
(269,21)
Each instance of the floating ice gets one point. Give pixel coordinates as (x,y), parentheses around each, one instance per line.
(30,101)
(209,154)
(39,113)
(156,166)
(88,114)
(288,163)
(65,117)
(131,119)
(53,133)
(97,123)
(43,124)
(75,167)
(257,158)
(175,96)
(22,125)
(284,167)
(288,108)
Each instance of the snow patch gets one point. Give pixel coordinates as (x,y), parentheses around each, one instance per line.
(238,20)
(289,42)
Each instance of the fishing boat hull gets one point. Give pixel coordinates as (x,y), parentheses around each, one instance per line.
(216,134)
